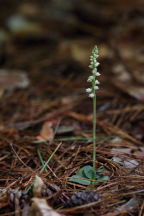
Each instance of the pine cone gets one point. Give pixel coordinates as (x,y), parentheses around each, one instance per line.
(20,195)
(83,197)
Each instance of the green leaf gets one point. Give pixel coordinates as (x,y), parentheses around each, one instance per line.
(89,172)
(81,173)
(77,179)
(104,178)
(100,170)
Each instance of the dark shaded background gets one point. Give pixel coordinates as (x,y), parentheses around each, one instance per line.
(51,41)
(69,29)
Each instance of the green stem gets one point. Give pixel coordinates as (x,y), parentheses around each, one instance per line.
(94,131)
(40,157)
(51,156)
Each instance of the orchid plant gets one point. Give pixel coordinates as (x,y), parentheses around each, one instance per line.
(92,93)
(88,174)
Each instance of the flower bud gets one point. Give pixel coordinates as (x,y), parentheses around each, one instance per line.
(98,74)
(96,88)
(97,82)
(91,95)
(88,90)
(90,78)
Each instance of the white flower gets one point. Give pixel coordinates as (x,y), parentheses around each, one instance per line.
(96,87)
(94,71)
(88,90)
(97,64)
(98,74)
(97,82)
(93,65)
(95,55)
(91,95)
(90,78)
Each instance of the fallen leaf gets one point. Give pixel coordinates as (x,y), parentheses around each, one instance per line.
(130,163)
(125,208)
(117,159)
(11,80)
(117,151)
(40,207)
(122,159)
(38,186)
(125,161)
(130,205)
(65,129)
(46,132)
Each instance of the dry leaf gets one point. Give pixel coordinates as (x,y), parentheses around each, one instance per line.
(129,206)
(46,132)
(125,208)
(38,186)
(40,207)
(122,159)
(127,162)
(65,129)
(117,151)
(130,163)
(10,80)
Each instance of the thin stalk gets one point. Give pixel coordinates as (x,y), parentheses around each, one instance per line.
(94,131)
(41,159)
(51,156)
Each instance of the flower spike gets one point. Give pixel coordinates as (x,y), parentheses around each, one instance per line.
(93,65)
(91,91)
